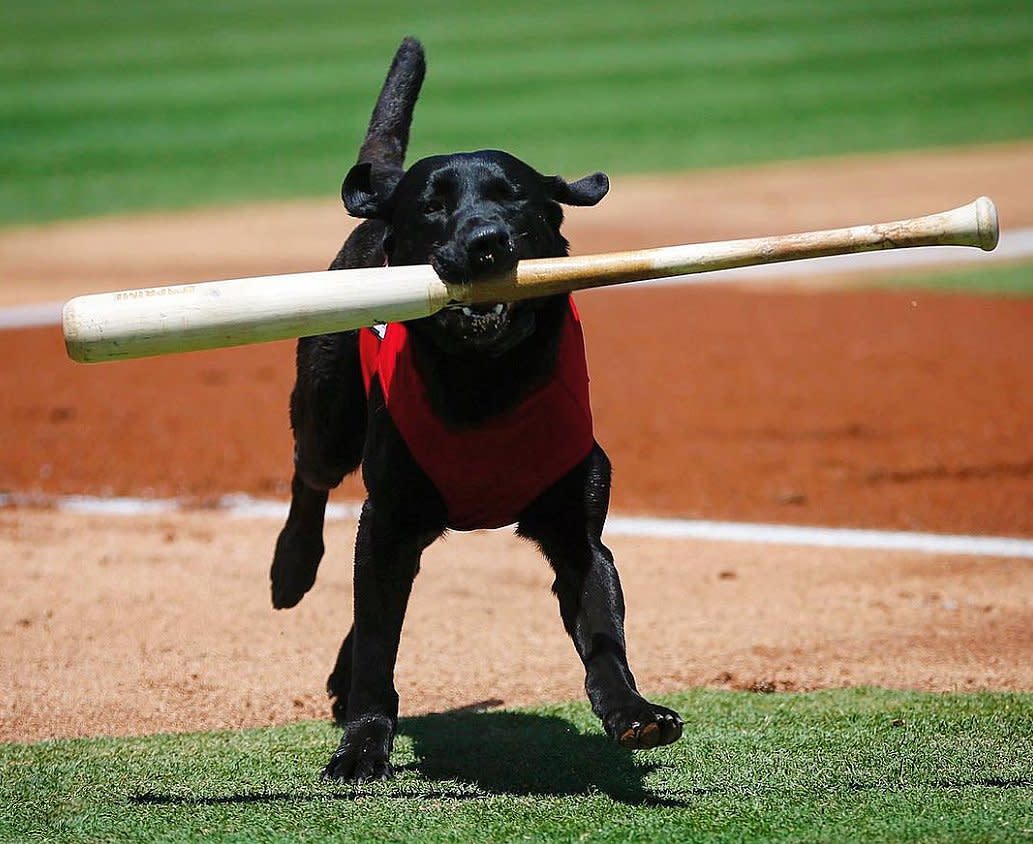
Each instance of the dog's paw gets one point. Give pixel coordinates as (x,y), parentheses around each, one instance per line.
(295,564)
(364,751)
(643,725)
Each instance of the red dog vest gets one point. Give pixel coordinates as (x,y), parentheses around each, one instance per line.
(489,473)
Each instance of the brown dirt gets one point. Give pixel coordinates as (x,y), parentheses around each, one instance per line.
(869,409)
(855,408)
(163,623)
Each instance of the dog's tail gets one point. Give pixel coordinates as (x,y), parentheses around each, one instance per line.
(388,134)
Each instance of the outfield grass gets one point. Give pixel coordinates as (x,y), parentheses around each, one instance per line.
(1007,280)
(853,765)
(113,106)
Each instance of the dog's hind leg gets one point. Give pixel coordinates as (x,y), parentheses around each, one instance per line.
(339,683)
(566,523)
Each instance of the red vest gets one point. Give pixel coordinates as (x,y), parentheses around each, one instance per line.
(488,474)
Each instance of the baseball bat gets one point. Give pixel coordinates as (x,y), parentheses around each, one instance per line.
(215,314)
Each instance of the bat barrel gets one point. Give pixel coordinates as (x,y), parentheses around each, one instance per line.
(215,314)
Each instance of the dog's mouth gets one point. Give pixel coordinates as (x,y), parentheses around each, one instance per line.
(492,329)
(478,320)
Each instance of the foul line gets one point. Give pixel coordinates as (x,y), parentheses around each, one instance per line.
(1015,245)
(244,506)
(821,537)
(31,316)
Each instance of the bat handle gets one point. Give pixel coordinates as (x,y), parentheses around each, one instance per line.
(974,224)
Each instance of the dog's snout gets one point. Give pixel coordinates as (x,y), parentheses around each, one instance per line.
(488,244)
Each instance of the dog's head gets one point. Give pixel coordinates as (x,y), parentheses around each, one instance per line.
(471,216)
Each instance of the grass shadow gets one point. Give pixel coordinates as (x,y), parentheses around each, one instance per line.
(524,753)
(469,754)
(153,798)
(476,753)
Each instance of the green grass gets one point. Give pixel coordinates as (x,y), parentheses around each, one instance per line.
(1007,279)
(116,105)
(854,765)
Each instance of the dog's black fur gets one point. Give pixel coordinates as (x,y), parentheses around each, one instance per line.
(470,215)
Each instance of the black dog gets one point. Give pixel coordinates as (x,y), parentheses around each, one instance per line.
(470,215)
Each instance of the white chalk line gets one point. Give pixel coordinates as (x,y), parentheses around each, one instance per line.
(821,537)
(244,506)
(1014,245)
(31,316)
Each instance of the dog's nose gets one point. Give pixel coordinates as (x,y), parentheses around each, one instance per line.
(487,245)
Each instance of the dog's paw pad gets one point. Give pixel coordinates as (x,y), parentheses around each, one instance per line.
(644,726)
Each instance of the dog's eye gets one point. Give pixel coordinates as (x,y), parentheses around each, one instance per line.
(502,191)
(432,206)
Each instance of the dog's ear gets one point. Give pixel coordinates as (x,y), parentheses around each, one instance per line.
(367,192)
(586,191)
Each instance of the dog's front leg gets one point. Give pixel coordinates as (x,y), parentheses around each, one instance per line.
(328,416)
(299,547)
(386,561)
(567,523)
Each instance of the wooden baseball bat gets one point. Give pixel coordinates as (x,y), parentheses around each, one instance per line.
(214,314)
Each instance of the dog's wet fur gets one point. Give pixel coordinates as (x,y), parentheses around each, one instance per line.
(469,215)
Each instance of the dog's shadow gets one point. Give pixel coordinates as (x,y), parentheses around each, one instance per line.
(485,753)
(520,753)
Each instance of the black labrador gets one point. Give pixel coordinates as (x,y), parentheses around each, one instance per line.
(470,215)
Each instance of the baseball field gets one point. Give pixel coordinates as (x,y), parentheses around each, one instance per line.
(822,507)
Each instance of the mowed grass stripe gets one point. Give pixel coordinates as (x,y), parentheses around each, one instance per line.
(1008,280)
(963,90)
(972,79)
(276,100)
(846,765)
(799,66)
(611,52)
(239,154)
(231,79)
(259,25)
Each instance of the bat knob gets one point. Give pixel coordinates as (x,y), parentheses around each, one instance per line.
(986,223)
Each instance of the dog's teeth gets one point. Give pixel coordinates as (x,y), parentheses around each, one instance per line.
(498,309)
(468,311)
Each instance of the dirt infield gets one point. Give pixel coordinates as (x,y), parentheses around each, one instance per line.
(859,408)
(868,409)
(163,623)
